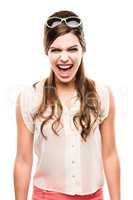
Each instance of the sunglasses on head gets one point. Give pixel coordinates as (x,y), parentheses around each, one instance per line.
(71,21)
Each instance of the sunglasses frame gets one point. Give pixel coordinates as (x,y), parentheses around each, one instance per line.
(64,19)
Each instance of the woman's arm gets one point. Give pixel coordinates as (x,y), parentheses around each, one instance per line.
(109,152)
(24,157)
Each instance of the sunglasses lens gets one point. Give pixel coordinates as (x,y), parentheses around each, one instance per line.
(53,22)
(73,22)
(69,21)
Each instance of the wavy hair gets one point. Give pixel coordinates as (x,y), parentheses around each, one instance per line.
(86,88)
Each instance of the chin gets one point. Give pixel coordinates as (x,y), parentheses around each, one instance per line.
(65,80)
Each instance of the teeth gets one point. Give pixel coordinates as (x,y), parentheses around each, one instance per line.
(64,66)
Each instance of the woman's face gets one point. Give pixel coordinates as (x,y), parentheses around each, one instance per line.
(65,55)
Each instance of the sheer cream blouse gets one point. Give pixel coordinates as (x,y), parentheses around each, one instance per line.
(65,163)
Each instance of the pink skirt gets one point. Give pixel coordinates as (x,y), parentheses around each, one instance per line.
(39,194)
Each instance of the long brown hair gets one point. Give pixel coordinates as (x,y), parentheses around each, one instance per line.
(86,88)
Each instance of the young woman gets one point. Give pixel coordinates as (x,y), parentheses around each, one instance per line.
(69,119)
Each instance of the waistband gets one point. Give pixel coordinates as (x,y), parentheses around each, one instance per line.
(40,194)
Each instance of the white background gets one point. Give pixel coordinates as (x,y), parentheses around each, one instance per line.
(108,29)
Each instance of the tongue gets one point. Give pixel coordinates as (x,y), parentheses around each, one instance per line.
(65,69)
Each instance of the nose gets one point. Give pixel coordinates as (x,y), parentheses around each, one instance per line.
(64,57)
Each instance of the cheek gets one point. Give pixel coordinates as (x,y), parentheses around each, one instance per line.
(77,58)
(52,58)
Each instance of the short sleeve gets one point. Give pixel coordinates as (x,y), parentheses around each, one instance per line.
(103,92)
(26,103)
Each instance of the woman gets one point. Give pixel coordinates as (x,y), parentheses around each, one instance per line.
(71,119)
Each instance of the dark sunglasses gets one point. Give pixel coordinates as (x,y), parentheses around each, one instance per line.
(71,21)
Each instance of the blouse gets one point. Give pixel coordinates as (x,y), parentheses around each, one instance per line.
(65,163)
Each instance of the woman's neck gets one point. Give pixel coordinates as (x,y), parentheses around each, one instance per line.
(65,89)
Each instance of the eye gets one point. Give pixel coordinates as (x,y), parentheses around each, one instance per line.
(55,50)
(73,49)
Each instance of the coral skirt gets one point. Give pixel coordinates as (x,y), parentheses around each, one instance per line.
(39,194)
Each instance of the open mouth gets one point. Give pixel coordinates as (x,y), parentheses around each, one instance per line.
(64,67)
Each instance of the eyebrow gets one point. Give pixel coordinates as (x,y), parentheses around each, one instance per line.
(67,47)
